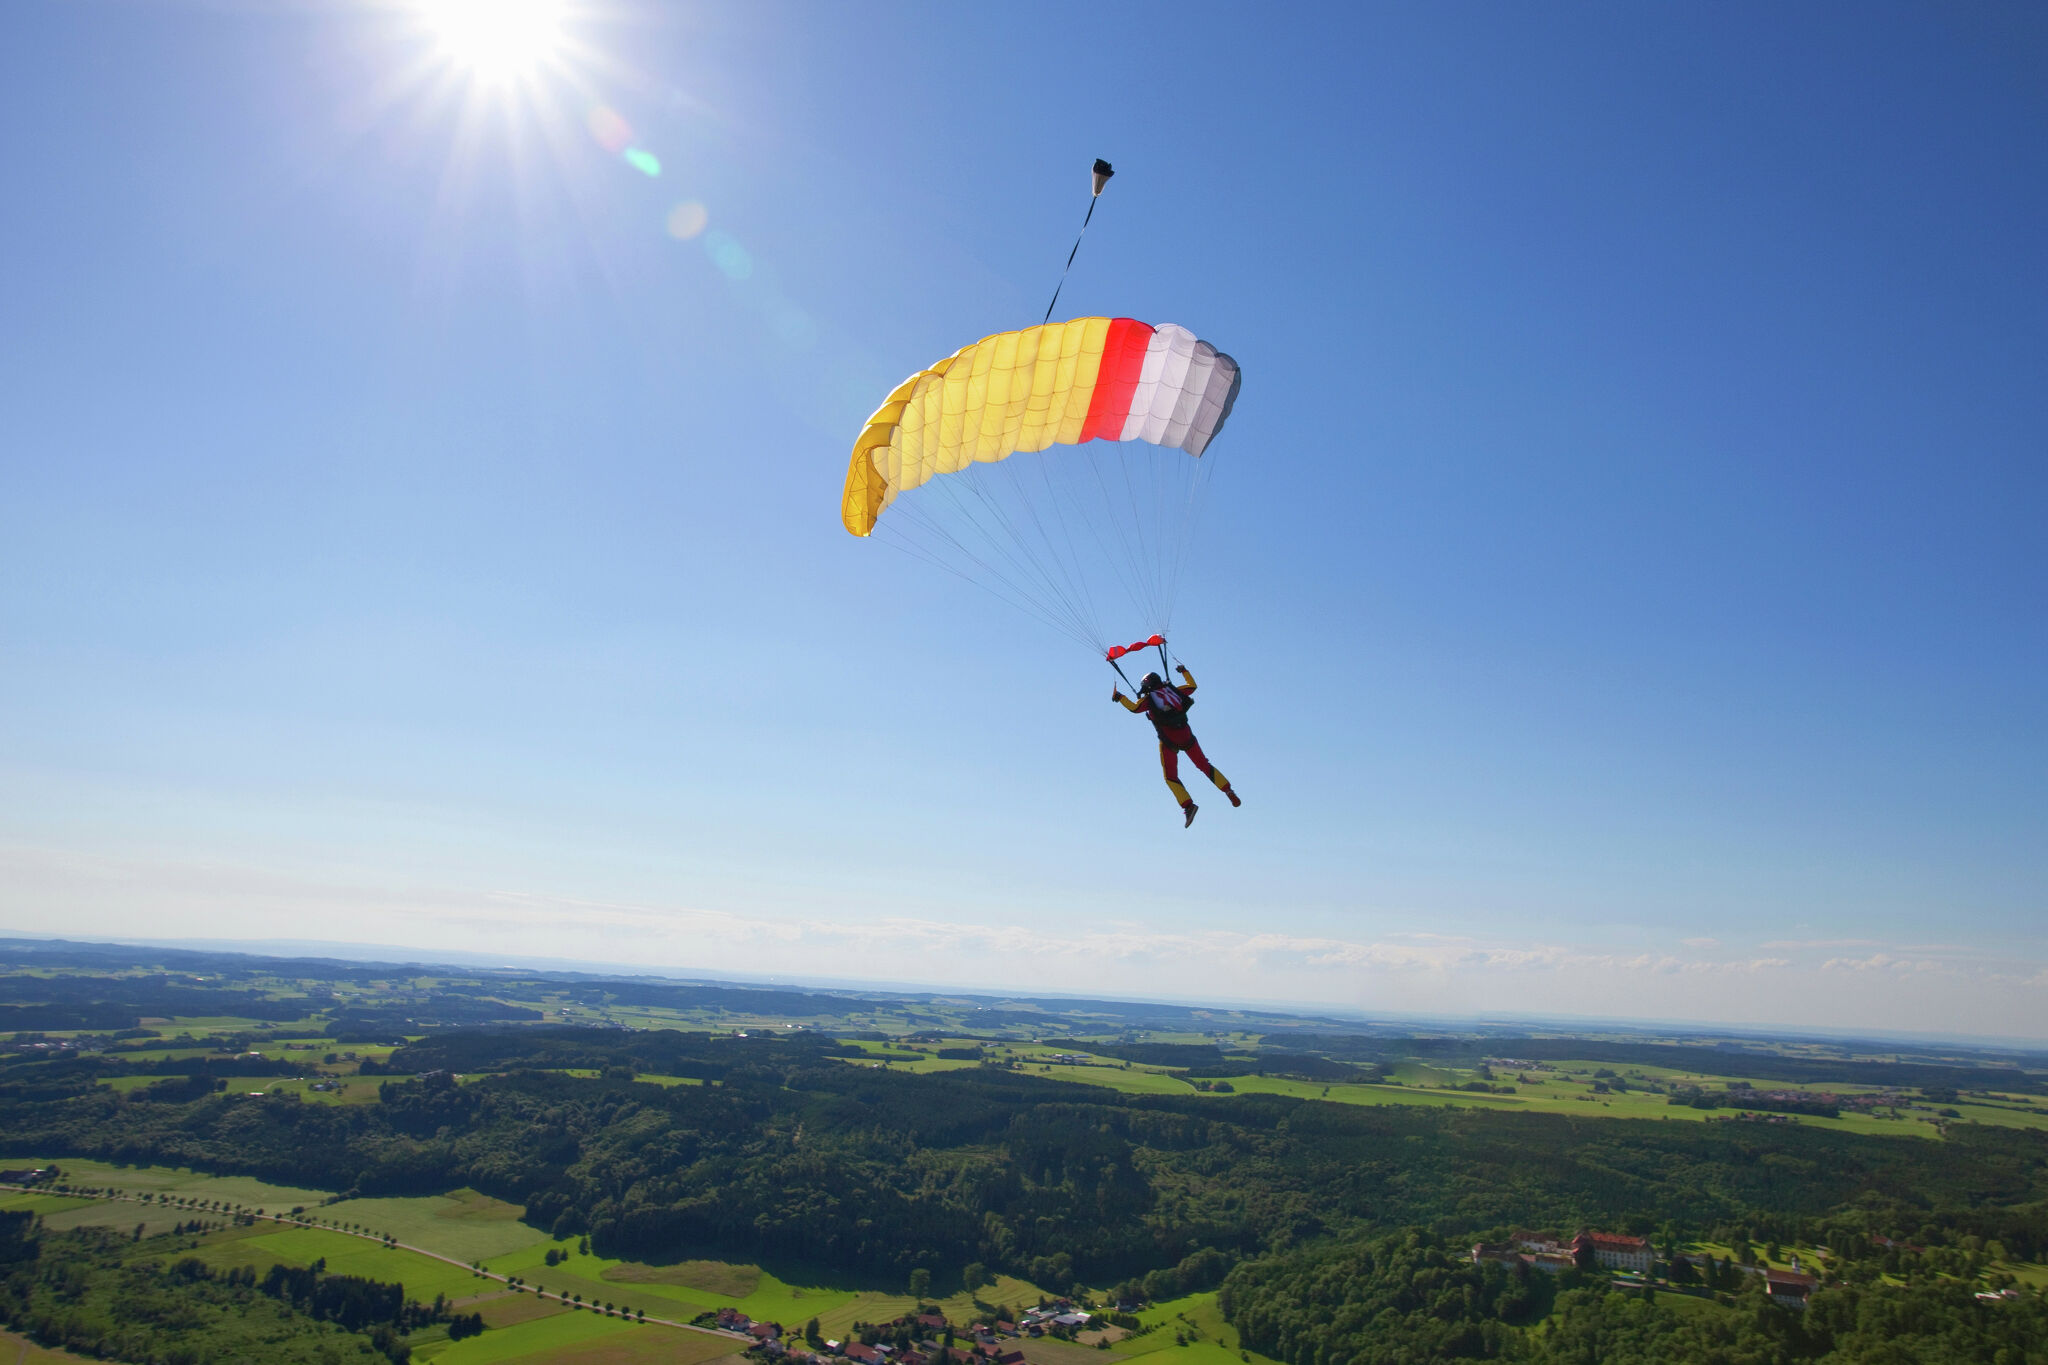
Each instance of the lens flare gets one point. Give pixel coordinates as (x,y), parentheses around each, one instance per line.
(732,259)
(496,39)
(609,128)
(687,219)
(645,162)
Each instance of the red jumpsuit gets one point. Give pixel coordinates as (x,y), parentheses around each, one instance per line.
(1167,708)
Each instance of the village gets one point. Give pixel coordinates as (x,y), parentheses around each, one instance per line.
(924,1337)
(1634,1261)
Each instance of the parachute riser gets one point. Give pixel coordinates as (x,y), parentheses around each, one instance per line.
(1165,669)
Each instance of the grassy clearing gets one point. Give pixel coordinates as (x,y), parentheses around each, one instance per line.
(1136,1081)
(647,1344)
(180,1182)
(692,1287)
(709,1277)
(48,1205)
(352,1090)
(1554,1095)
(200,1024)
(19,1350)
(422,1276)
(2032,1273)
(870,1306)
(464,1224)
(601,1279)
(507,1308)
(1999,1117)
(548,1339)
(1185,1331)
(1691,1304)
(61,1214)
(1047,1351)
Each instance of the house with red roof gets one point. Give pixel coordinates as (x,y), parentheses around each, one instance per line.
(1615,1251)
(1789,1287)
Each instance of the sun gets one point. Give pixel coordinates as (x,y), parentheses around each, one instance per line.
(496,40)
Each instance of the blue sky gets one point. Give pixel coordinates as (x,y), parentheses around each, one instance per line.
(1622,589)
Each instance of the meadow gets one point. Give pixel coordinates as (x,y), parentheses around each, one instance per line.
(19,1350)
(261,1247)
(1195,1320)
(180,1183)
(1566,1087)
(462,1223)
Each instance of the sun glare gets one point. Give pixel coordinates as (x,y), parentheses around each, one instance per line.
(496,39)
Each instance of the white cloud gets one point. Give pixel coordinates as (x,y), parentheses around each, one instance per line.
(1787,983)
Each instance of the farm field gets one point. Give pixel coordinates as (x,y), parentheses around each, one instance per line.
(551,1339)
(1582,1104)
(354,1090)
(508,1307)
(670,1291)
(422,1276)
(61,1212)
(234,1023)
(1559,1091)
(259,1195)
(1136,1081)
(691,1287)
(462,1223)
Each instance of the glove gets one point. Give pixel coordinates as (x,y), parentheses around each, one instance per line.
(1116,694)
(1181,669)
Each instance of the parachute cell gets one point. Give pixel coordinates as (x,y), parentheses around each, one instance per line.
(1062,383)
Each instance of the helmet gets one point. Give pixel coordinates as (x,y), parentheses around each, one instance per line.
(1152,680)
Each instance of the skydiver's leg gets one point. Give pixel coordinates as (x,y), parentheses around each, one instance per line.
(1169,763)
(1201,760)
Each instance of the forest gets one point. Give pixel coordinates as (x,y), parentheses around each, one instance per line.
(136,1298)
(1333,1234)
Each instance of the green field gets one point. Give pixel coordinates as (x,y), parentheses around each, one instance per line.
(1196,1319)
(688,1288)
(422,1276)
(258,1195)
(354,1090)
(670,1291)
(548,1338)
(1136,1081)
(61,1212)
(462,1223)
(1565,1089)
(18,1350)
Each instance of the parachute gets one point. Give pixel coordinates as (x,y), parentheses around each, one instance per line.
(958,466)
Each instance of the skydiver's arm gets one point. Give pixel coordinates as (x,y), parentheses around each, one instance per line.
(1187,678)
(1129,704)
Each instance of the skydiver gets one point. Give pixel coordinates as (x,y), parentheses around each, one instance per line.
(1166,706)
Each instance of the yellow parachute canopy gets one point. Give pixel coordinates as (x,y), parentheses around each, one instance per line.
(1063,383)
